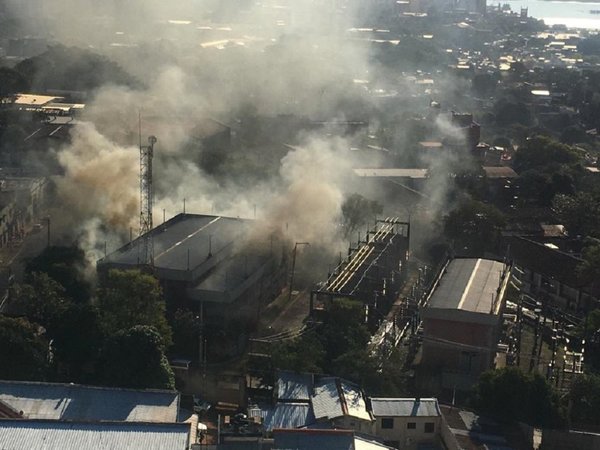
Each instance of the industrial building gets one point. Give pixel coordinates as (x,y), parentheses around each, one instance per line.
(462,322)
(372,273)
(209,265)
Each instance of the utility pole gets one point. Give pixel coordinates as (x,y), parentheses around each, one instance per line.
(294,267)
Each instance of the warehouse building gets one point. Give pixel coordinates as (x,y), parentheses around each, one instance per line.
(462,322)
(209,265)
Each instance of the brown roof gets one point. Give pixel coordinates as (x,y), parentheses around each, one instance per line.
(499,172)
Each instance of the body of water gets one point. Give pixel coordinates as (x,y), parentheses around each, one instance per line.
(571,14)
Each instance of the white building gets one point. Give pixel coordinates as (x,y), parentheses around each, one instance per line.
(407,423)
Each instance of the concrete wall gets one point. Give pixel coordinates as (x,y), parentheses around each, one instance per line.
(472,354)
(353,423)
(448,438)
(408,438)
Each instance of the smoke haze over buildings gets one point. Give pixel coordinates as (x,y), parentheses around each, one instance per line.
(199,60)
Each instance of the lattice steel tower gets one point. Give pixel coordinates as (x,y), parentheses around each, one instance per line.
(146,202)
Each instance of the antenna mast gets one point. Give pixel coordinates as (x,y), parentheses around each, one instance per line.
(146,201)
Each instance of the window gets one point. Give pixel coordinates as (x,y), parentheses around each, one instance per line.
(387,423)
(429,427)
(411,426)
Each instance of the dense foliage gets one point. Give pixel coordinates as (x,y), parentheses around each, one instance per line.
(135,358)
(474,227)
(66,335)
(72,69)
(510,395)
(339,347)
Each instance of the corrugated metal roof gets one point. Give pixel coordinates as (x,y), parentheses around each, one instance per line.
(288,415)
(18,434)
(294,386)
(199,234)
(355,402)
(405,407)
(469,284)
(75,402)
(392,173)
(326,400)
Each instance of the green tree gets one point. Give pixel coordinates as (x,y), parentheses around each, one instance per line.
(76,341)
(541,187)
(358,211)
(474,227)
(71,68)
(584,397)
(541,151)
(186,331)
(129,297)
(42,300)
(484,83)
(23,352)
(135,358)
(73,328)
(589,269)
(508,394)
(66,266)
(573,134)
(305,354)
(580,213)
(11,83)
(344,328)
(509,112)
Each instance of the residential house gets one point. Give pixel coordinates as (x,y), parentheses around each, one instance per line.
(407,423)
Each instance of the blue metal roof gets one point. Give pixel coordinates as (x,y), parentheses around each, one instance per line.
(292,386)
(288,415)
(59,435)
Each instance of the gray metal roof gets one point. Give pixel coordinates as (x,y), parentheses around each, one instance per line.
(17,434)
(355,401)
(392,173)
(75,402)
(200,235)
(326,400)
(294,386)
(288,415)
(469,284)
(230,279)
(405,407)
(331,400)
